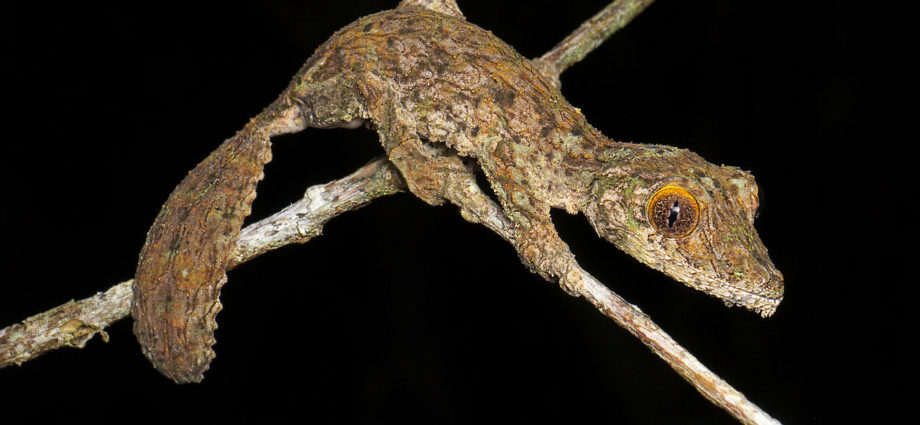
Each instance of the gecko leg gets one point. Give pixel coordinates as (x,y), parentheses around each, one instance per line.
(533,234)
(435,174)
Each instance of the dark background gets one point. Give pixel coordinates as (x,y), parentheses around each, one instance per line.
(403,312)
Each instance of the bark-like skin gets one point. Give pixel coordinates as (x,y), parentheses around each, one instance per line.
(440,91)
(424,79)
(182,264)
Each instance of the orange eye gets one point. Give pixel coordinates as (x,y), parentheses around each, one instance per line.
(673,212)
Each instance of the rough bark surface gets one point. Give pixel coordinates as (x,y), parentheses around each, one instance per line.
(76,322)
(68,325)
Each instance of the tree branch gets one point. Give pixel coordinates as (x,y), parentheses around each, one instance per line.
(709,384)
(304,219)
(75,322)
(587,37)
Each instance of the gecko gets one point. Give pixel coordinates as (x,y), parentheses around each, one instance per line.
(448,98)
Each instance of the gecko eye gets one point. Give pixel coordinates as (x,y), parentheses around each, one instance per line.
(673,211)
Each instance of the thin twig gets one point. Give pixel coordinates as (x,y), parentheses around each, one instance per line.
(709,384)
(588,36)
(68,325)
(74,323)
(304,219)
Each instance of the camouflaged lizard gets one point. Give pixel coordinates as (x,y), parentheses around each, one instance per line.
(446,97)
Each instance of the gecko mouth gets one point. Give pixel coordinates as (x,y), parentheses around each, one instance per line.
(762,297)
(759,304)
(763,302)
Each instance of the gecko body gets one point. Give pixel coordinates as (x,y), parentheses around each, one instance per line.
(446,97)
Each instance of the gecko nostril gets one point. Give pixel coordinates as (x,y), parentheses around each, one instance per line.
(673,213)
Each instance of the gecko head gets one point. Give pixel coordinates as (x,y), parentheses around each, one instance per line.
(692,220)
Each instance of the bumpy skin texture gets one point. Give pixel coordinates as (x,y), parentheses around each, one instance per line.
(417,75)
(445,95)
(181,268)
(723,256)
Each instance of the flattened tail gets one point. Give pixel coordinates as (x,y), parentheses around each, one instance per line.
(182,264)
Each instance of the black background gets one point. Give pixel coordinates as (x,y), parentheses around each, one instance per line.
(403,312)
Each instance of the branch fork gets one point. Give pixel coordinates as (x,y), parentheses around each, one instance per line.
(73,324)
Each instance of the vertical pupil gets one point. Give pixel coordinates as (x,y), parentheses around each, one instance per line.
(673,213)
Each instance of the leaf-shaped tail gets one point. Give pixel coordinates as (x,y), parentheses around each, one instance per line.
(182,265)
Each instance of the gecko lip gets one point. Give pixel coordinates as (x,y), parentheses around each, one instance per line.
(762,297)
(764,304)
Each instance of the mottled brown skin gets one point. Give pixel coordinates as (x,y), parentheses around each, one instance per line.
(445,96)
(182,264)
